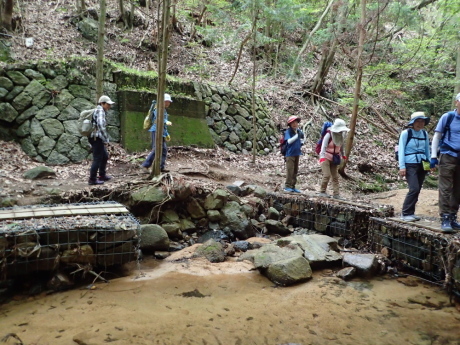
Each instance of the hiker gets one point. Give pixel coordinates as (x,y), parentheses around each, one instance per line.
(149,161)
(447,138)
(329,156)
(413,153)
(98,138)
(295,139)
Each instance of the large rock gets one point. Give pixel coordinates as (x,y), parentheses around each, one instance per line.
(66,143)
(53,128)
(153,237)
(7,112)
(318,249)
(211,250)
(45,146)
(18,78)
(36,131)
(77,154)
(39,172)
(366,264)
(216,200)
(276,227)
(22,101)
(173,230)
(32,111)
(89,29)
(236,220)
(149,194)
(195,210)
(55,158)
(48,112)
(169,216)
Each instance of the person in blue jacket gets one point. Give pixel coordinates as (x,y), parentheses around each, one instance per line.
(413,149)
(295,139)
(447,138)
(149,160)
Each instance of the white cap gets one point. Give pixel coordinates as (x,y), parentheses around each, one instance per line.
(105,99)
(457,98)
(168,97)
(339,126)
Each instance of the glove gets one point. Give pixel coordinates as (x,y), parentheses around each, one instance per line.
(344,157)
(168,123)
(433,163)
(322,160)
(168,138)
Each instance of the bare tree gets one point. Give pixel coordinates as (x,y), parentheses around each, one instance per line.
(7,14)
(100,50)
(81,6)
(357,92)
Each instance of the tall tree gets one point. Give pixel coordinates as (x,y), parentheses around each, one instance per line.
(7,14)
(162,67)
(100,50)
(357,91)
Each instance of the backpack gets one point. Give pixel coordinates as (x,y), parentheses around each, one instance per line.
(283,143)
(148,117)
(409,137)
(86,123)
(324,130)
(450,118)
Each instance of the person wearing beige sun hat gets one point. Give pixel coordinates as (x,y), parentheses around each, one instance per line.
(330,154)
(413,151)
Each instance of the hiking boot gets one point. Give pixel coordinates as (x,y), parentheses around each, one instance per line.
(416,217)
(408,218)
(296,190)
(446,226)
(338,197)
(104,178)
(453,222)
(324,195)
(92,182)
(164,170)
(288,189)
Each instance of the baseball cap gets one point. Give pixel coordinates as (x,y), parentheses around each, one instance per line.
(105,99)
(168,97)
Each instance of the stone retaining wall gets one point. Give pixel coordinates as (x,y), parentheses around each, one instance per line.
(40,104)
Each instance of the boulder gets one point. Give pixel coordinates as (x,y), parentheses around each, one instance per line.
(216,200)
(366,264)
(194,209)
(173,230)
(153,237)
(148,194)
(39,172)
(276,227)
(211,250)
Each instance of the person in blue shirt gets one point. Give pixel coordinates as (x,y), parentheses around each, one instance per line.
(448,129)
(411,154)
(295,139)
(149,160)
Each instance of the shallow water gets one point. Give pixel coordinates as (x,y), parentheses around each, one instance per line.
(237,307)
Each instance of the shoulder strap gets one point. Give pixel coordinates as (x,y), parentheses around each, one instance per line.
(409,135)
(450,118)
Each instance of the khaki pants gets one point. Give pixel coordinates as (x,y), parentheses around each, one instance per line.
(449,184)
(330,170)
(292,168)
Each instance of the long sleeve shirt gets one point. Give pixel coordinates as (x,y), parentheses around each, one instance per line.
(154,123)
(415,150)
(99,118)
(328,148)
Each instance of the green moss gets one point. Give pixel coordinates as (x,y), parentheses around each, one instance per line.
(189,131)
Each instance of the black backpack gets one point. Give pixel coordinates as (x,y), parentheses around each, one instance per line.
(450,118)
(409,137)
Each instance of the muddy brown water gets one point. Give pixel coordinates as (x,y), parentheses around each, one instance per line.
(196,302)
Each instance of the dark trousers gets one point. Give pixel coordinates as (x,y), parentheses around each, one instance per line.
(149,161)
(100,157)
(415,175)
(292,169)
(449,184)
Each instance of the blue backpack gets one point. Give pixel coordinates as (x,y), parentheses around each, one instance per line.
(324,130)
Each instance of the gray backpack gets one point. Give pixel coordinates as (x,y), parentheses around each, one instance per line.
(86,123)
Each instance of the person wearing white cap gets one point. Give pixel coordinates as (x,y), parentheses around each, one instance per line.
(329,156)
(98,139)
(413,150)
(447,138)
(149,160)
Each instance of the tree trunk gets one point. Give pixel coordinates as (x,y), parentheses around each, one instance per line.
(357,92)
(254,69)
(81,6)
(162,67)
(7,15)
(100,51)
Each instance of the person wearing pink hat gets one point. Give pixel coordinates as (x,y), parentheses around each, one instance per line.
(329,156)
(295,139)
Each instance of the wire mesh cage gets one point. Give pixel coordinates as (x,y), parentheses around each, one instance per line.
(44,238)
(415,248)
(347,220)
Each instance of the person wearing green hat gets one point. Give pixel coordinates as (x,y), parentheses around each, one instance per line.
(413,150)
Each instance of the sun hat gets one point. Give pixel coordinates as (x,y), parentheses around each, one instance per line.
(105,99)
(418,115)
(293,118)
(339,126)
(168,97)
